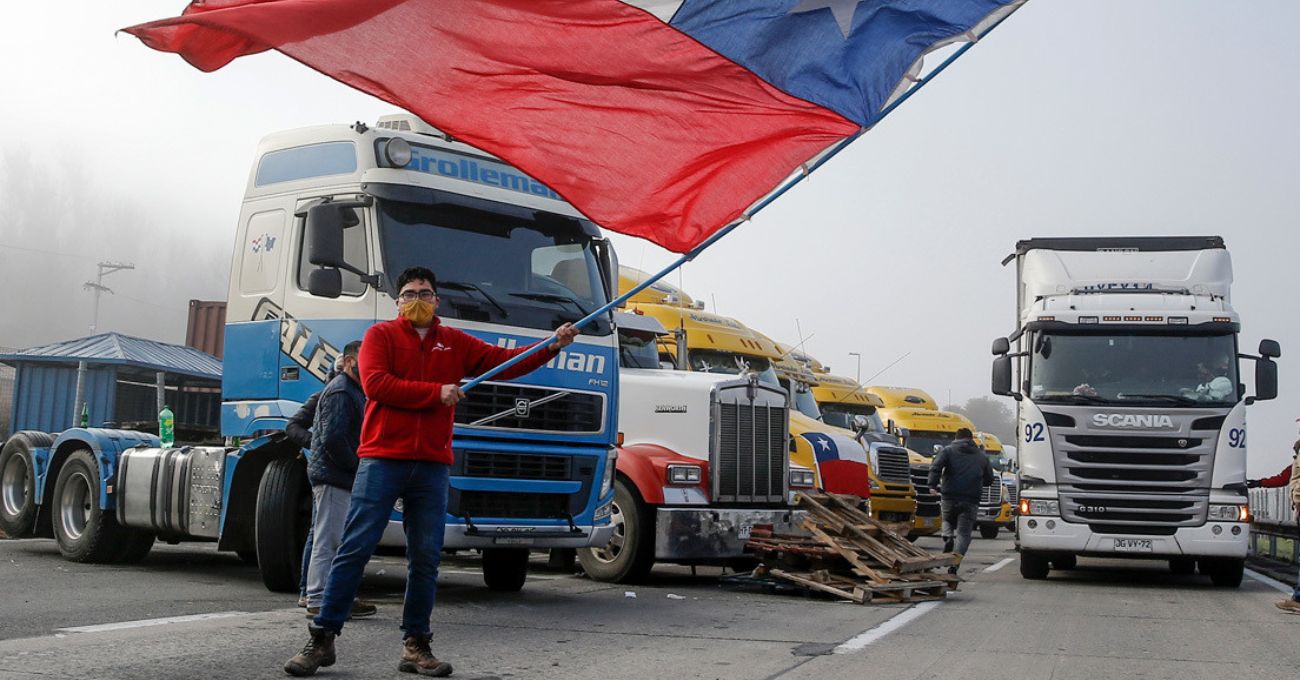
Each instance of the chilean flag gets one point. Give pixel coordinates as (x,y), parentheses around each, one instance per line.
(841,464)
(664,119)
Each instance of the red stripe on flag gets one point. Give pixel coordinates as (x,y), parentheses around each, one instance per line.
(841,476)
(645,130)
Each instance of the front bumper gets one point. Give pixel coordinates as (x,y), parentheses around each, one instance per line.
(540,537)
(1079,539)
(892,507)
(995,514)
(696,534)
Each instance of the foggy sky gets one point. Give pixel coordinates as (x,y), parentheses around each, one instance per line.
(1106,117)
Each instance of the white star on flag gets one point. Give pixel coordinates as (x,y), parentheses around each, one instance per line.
(825,444)
(842,9)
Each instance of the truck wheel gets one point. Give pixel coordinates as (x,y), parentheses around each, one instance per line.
(1065,562)
(631,550)
(283,513)
(18,483)
(505,569)
(85,533)
(1183,566)
(1034,566)
(988,531)
(1227,572)
(135,546)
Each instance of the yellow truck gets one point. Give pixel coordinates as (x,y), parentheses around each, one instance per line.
(893,498)
(720,344)
(997,505)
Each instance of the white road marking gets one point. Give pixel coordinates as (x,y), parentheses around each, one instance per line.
(994,567)
(531,577)
(145,623)
(886,627)
(1272,582)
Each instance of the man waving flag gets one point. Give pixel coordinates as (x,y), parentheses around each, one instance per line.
(664,119)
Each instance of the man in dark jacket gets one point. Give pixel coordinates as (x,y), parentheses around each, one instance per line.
(965,471)
(298,431)
(335,435)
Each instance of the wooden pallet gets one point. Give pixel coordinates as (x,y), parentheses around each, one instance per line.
(848,554)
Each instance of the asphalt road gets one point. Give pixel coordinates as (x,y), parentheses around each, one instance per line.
(1105,619)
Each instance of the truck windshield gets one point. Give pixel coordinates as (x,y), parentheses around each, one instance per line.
(841,415)
(1191,370)
(804,401)
(533,272)
(929,443)
(637,350)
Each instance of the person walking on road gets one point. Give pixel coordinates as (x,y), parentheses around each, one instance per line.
(336,434)
(411,368)
(964,471)
(1292,604)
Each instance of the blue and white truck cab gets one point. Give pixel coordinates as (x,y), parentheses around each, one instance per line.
(330,217)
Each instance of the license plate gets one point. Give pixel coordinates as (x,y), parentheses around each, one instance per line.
(511,540)
(1133,545)
(745,530)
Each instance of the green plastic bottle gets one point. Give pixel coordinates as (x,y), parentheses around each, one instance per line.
(167,427)
(85,414)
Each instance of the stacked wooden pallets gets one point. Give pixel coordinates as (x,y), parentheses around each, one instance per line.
(850,555)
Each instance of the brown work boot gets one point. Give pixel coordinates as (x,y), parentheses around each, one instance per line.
(1289,606)
(418,658)
(318,652)
(360,610)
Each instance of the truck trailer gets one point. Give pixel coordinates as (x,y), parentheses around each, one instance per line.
(330,217)
(1131,408)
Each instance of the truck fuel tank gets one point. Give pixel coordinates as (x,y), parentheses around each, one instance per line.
(174,492)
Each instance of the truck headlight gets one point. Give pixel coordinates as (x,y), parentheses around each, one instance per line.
(1229,513)
(1035,506)
(801,479)
(683,474)
(607,480)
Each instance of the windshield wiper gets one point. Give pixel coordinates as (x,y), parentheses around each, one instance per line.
(552,297)
(461,285)
(1075,398)
(1175,398)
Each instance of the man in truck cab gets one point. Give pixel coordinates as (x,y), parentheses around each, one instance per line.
(410,369)
(960,472)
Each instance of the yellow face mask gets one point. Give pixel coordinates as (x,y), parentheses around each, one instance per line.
(419,312)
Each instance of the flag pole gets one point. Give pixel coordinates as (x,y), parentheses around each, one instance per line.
(748,214)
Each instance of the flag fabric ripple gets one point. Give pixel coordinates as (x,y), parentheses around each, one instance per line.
(841,464)
(667,130)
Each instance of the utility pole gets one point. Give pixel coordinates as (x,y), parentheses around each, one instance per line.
(105,268)
(857,375)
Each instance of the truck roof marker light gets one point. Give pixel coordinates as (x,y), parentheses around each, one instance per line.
(1047,318)
(1223,319)
(1154,318)
(1177,320)
(1112,318)
(1088,319)
(1132,318)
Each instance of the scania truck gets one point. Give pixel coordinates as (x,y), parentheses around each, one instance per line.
(703,460)
(330,217)
(1132,409)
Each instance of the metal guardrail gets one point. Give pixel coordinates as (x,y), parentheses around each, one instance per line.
(1272,506)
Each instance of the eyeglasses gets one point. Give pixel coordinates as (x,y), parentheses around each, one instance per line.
(409,295)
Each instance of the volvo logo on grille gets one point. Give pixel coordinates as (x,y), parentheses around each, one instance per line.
(1131,420)
(522,407)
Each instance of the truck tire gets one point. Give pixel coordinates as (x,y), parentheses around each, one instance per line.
(1227,572)
(1182,566)
(631,551)
(988,531)
(283,513)
(1065,562)
(135,546)
(1034,566)
(18,483)
(562,559)
(505,569)
(85,533)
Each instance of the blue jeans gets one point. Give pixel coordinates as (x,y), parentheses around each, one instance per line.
(306,558)
(958,522)
(422,486)
(1295,594)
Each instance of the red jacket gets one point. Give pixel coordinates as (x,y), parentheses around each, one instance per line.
(1282,478)
(403,378)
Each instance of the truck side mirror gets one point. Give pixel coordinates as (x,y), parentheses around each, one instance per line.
(903,434)
(860,423)
(1265,380)
(1002,378)
(1001,346)
(325,283)
(889,426)
(1270,349)
(323,235)
(608,260)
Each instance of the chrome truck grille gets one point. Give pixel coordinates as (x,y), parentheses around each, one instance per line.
(1135,482)
(892,465)
(537,409)
(1013,492)
(991,494)
(749,459)
(927,499)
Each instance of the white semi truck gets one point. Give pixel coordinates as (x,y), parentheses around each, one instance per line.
(1132,413)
